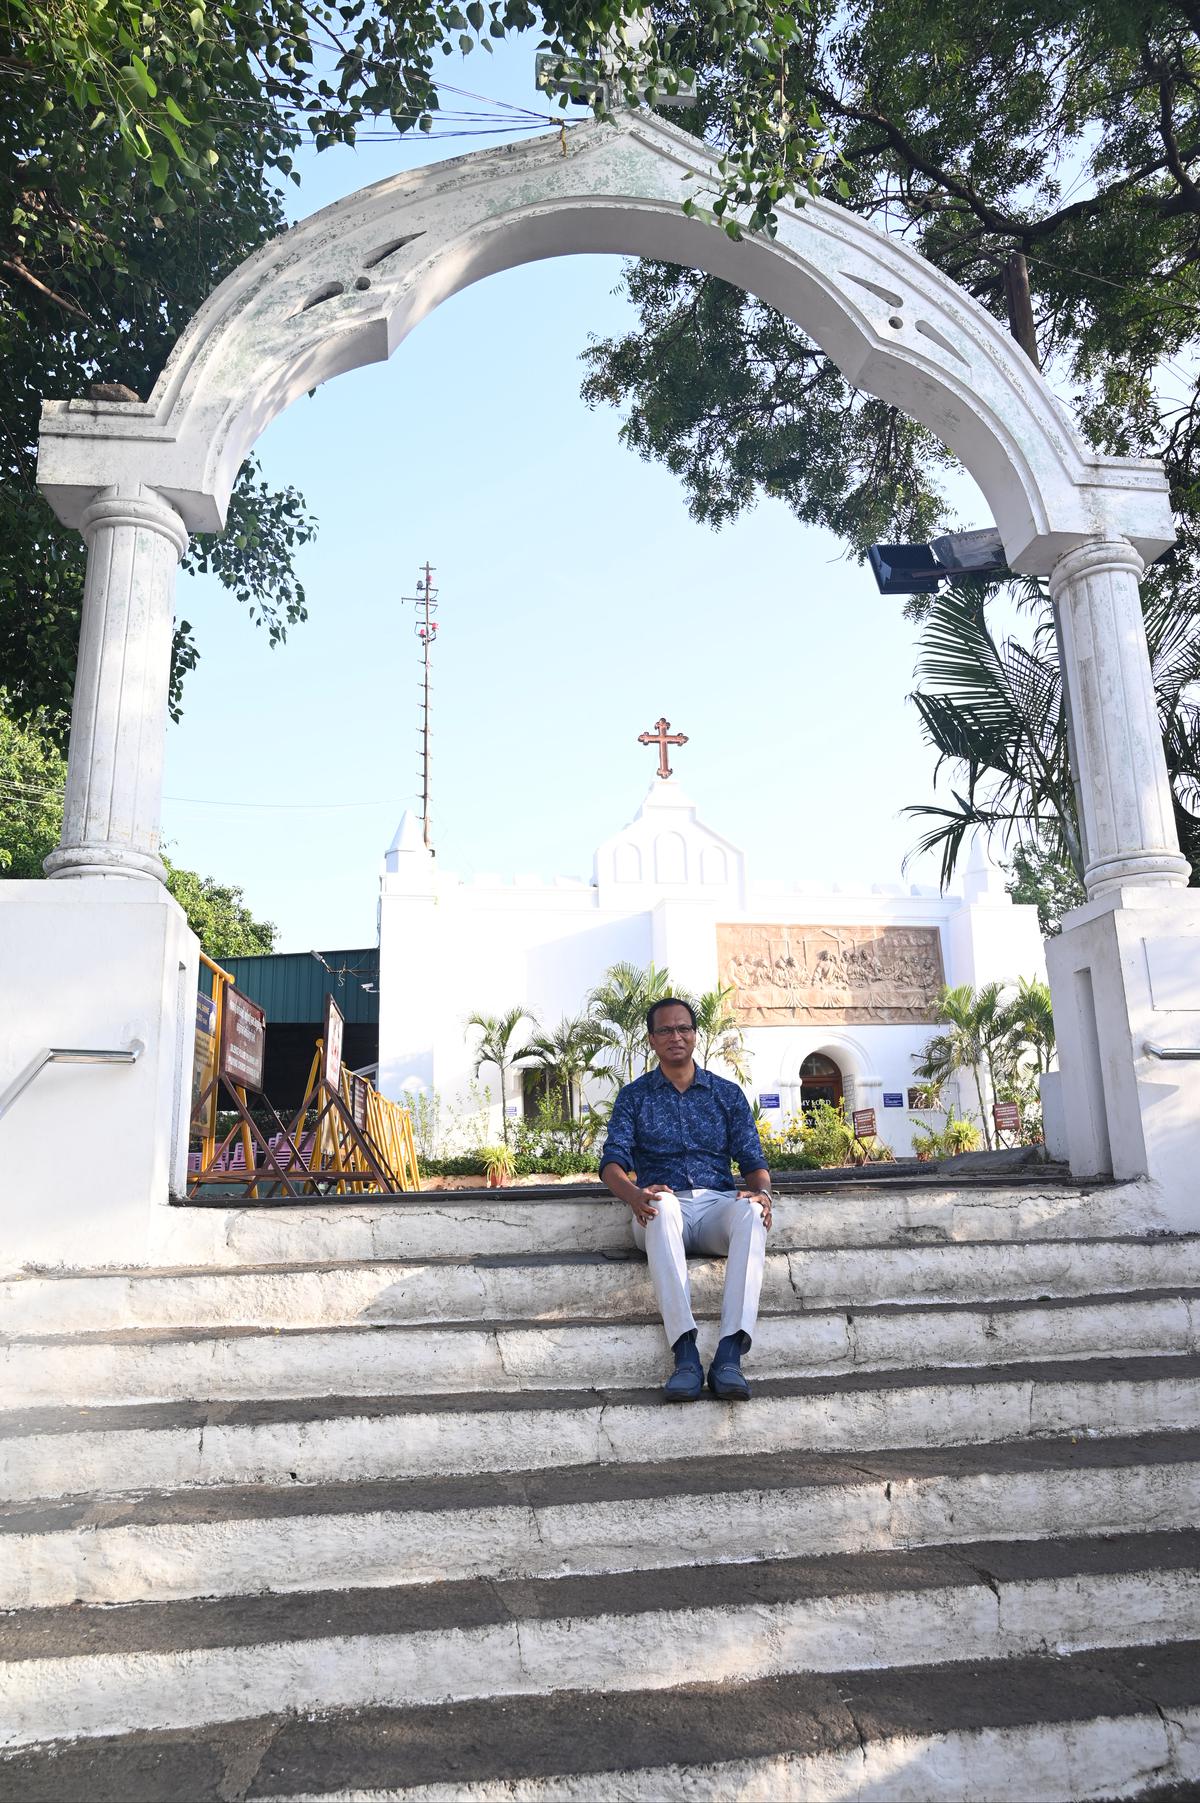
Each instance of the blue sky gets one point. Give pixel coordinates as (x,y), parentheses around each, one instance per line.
(578,602)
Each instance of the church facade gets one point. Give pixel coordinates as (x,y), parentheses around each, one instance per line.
(833,988)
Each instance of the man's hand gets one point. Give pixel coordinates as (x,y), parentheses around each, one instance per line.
(762,1197)
(642,1201)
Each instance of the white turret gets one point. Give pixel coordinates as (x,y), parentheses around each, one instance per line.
(408,857)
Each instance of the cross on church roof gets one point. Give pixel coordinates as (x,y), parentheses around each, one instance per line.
(662,736)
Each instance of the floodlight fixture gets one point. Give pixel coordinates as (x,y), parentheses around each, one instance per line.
(921,569)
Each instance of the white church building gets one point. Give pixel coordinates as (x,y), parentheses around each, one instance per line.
(833,987)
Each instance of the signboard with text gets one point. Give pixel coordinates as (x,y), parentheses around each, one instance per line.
(204,1066)
(243,1040)
(768,1101)
(358,1102)
(1007,1116)
(331,1059)
(864,1123)
(893,1098)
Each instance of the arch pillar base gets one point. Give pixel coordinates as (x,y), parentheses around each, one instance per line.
(92,1155)
(1125,970)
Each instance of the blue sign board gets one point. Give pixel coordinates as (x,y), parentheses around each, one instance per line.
(892,1101)
(769,1101)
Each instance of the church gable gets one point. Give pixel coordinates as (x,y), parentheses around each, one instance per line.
(666,850)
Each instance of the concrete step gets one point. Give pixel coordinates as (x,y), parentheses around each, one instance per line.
(589,1519)
(1063,1729)
(595,1285)
(451,1225)
(59,1452)
(92,1670)
(155,1365)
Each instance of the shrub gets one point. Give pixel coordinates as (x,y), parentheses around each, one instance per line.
(827,1135)
(957,1136)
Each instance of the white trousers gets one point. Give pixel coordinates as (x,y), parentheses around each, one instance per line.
(719,1224)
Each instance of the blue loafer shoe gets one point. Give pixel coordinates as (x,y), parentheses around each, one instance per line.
(725,1378)
(686,1382)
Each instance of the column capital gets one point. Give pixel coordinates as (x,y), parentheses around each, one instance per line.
(142,508)
(1095,557)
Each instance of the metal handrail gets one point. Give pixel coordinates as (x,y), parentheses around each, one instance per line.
(1170,1051)
(65,1055)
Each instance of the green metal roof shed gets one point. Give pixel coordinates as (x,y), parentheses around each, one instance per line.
(290,987)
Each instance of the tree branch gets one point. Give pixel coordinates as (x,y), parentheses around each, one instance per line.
(27,276)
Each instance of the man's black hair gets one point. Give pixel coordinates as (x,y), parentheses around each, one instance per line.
(668,1001)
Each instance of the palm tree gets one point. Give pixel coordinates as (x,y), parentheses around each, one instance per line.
(1030,1020)
(719,1034)
(994,712)
(567,1054)
(497,1034)
(617,1007)
(975,1038)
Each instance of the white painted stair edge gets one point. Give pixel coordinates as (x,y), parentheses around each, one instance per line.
(455,1226)
(314,1550)
(371,1361)
(383,1291)
(1056,1762)
(354,1445)
(53,1698)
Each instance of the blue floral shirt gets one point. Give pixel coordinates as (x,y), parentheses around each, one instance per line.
(684,1139)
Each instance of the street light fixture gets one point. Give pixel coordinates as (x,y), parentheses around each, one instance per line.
(921,569)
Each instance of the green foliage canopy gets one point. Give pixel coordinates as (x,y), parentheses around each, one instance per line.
(141,152)
(33,772)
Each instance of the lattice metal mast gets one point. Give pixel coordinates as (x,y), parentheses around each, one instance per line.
(426,603)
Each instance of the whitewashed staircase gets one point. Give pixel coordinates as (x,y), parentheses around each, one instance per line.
(381,1502)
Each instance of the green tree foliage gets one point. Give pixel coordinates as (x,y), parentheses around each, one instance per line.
(992,710)
(218,915)
(1069,131)
(110,238)
(974,1038)
(719,1033)
(566,1055)
(141,152)
(33,772)
(737,402)
(1041,879)
(618,1007)
(499,1035)
(1029,1023)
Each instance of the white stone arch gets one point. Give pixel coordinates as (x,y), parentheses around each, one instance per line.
(344,287)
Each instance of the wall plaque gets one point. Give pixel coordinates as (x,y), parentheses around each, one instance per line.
(831,975)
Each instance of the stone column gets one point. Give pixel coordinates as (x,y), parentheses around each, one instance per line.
(113,808)
(1129,823)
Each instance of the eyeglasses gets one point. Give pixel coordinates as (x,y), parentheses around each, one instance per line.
(671,1032)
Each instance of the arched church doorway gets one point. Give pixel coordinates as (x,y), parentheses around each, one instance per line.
(820,1081)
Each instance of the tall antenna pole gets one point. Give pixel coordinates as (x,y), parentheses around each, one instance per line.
(425,601)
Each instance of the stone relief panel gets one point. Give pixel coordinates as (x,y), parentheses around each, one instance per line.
(830,975)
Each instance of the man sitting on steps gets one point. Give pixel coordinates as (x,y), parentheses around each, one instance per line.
(678,1127)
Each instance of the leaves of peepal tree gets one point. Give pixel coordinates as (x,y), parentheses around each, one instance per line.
(100,272)
(1068,131)
(141,151)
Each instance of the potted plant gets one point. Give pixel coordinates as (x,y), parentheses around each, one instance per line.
(499,1164)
